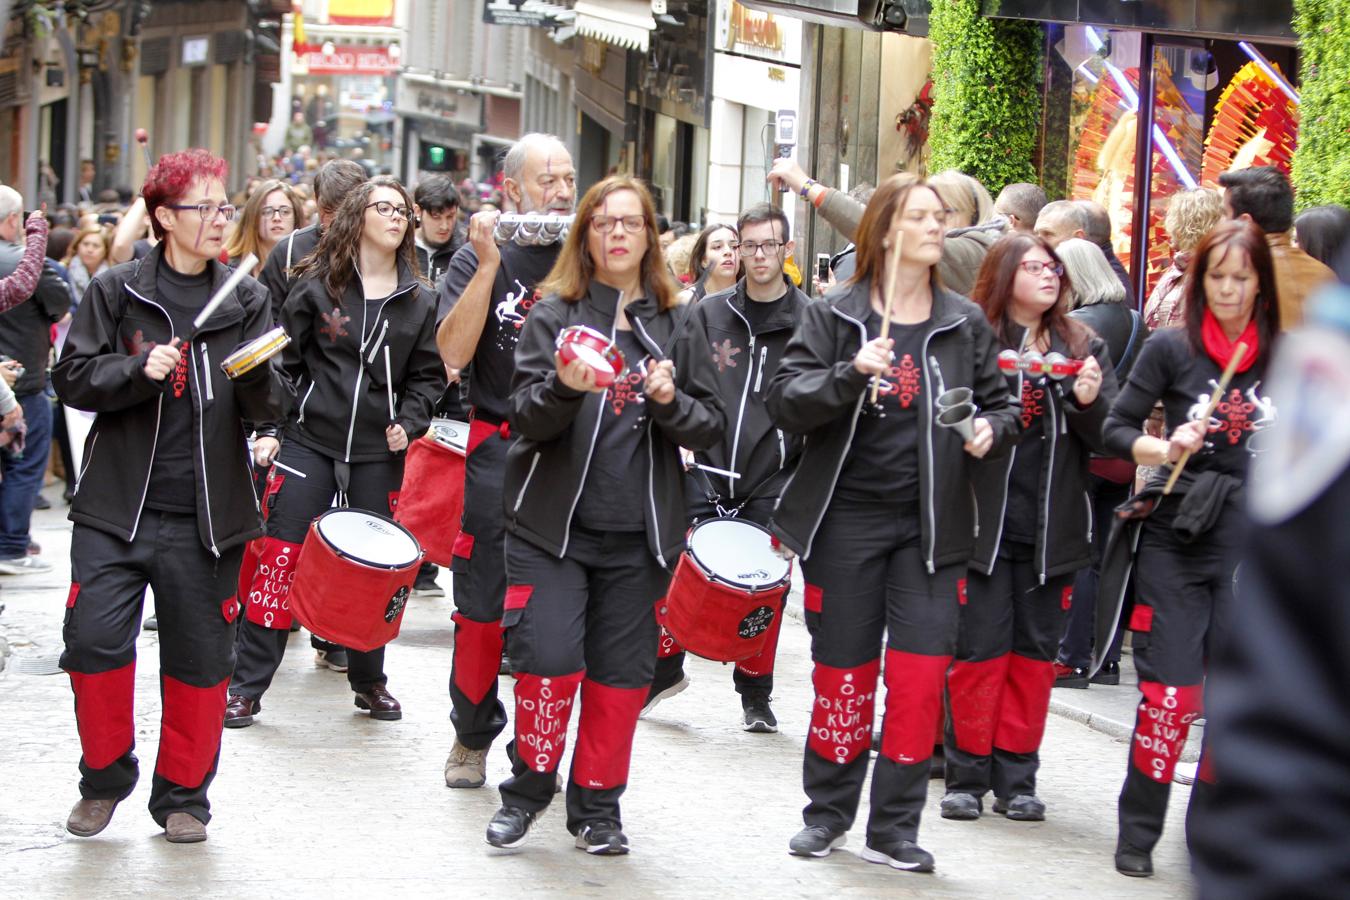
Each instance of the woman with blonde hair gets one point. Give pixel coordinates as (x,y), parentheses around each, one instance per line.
(273,211)
(88,255)
(1190,216)
(1090,276)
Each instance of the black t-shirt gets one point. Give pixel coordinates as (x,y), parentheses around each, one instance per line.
(173,483)
(513,294)
(1024,484)
(614,496)
(757,313)
(882,465)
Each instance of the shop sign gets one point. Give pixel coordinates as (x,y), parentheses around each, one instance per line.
(593,56)
(435,103)
(346,60)
(529,13)
(759,35)
(361,12)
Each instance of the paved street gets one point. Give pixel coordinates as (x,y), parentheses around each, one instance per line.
(317,800)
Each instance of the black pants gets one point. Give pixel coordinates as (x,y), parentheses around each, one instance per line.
(294,502)
(998,690)
(1183,595)
(479,588)
(585,620)
(1075,649)
(866,580)
(196,606)
(753,677)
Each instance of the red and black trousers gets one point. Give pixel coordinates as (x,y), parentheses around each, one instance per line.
(868,589)
(479,589)
(295,496)
(583,624)
(196,606)
(1183,591)
(998,690)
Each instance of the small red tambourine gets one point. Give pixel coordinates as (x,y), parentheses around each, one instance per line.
(1056,365)
(595,350)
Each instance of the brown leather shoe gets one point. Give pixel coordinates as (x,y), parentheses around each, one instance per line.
(184,828)
(380,702)
(239,711)
(88,817)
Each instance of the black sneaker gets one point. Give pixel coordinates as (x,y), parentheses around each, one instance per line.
(816,840)
(602,838)
(1133,862)
(335,659)
(425,585)
(905,855)
(1022,808)
(961,807)
(659,692)
(1109,673)
(508,827)
(759,718)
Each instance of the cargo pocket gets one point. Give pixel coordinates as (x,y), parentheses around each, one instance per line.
(70,601)
(1141,623)
(517,598)
(274,482)
(393,502)
(461,552)
(811,602)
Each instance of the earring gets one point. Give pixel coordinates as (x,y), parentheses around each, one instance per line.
(886,244)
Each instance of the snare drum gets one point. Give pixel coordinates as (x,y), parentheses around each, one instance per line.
(251,354)
(352,580)
(431,502)
(595,350)
(727,590)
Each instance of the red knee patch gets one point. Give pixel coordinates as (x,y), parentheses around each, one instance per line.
(1141,619)
(841,718)
(1066,598)
(104,707)
(975,689)
(74,593)
(463,546)
(913,705)
(1165,716)
(189,731)
(543,709)
(1026,701)
(605,734)
(812,597)
(477,656)
(269,593)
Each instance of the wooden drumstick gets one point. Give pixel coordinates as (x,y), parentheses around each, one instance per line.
(888,291)
(226,291)
(1215,399)
(389,384)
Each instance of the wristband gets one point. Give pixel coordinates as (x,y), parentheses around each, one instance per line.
(805,192)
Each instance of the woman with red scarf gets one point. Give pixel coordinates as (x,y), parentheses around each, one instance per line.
(1186,557)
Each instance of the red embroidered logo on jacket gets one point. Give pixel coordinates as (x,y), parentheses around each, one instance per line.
(332,324)
(724,355)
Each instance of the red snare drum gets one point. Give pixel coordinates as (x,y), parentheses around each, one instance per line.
(431,501)
(353,578)
(728,587)
(594,349)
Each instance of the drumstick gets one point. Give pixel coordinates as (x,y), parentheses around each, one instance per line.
(285,468)
(389,384)
(723,472)
(245,266)
(143,138)
(1238,352)
(889,293)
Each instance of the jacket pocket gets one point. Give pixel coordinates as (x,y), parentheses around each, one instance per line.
(517,598)
(812,601)
(1141,623)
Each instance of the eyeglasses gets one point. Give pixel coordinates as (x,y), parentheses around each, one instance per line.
(387,209)
(283,212)
(208,210)
(1035,267)
(750,248)
(605,224)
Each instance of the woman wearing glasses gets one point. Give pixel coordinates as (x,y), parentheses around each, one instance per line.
(273,211)
(1035,533)
(595,512)
(881,513)
(357,302)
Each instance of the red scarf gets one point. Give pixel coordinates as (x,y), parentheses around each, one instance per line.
(1220,348)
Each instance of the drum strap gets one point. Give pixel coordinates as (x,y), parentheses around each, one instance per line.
(715,498)
(342,475)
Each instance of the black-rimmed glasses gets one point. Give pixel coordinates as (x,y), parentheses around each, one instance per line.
(208,210)
(387,209)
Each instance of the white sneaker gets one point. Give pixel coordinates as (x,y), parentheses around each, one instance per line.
(24,565)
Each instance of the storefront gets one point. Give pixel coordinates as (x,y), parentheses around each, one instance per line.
(439,126)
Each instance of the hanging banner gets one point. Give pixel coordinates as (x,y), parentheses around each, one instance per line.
(361,12)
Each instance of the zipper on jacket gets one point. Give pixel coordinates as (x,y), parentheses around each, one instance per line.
(928,444)
(375,347)
(1087,501)
(1049,484)
(88,458)
(651,450)
(159,412)
(520,497)
(763,355)
(201,442)
(745,395)
(1007,478)
(782,449)
(356,388)
(206,374)
(301,417)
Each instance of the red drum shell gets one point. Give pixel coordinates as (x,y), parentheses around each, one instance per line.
(569,339)
(345,601)
(715,620)
(431,501)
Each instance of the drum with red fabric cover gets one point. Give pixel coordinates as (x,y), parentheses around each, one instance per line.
(353,578)
(728,587)
(431,501)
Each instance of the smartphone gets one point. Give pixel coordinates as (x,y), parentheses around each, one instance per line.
(108,219)
(822,267)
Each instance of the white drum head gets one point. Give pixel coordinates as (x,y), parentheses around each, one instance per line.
(369,539)
(737,553)
(591,357)
(451,433)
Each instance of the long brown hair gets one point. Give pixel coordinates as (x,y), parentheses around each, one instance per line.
(244,240)
(96,230)
(334,260)
(574,270)
(1235,234)
(875,227)
(994,292)
(697,267)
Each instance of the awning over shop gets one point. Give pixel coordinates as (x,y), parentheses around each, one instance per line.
(624,23)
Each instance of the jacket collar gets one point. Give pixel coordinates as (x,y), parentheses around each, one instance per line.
(407,281)
(852,300)
(784,317)
(605,300)
(142,281)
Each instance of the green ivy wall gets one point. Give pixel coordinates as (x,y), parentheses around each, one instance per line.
(1322,159)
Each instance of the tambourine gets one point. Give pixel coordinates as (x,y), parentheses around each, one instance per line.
(531,229)
(598,352)
(1056,365)
(251,354)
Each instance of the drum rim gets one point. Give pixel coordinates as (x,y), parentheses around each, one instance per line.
(713,576)
(365,562)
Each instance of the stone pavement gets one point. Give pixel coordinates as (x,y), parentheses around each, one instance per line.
(315,799)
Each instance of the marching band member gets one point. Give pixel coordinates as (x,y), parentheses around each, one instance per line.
(748,327)
(595,512)
(1187,546)
(1034,535)
(884,522)
(485,298)
(163,499)
(357,303)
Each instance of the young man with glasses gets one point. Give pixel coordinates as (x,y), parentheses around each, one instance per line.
(163,500)
(748,327)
